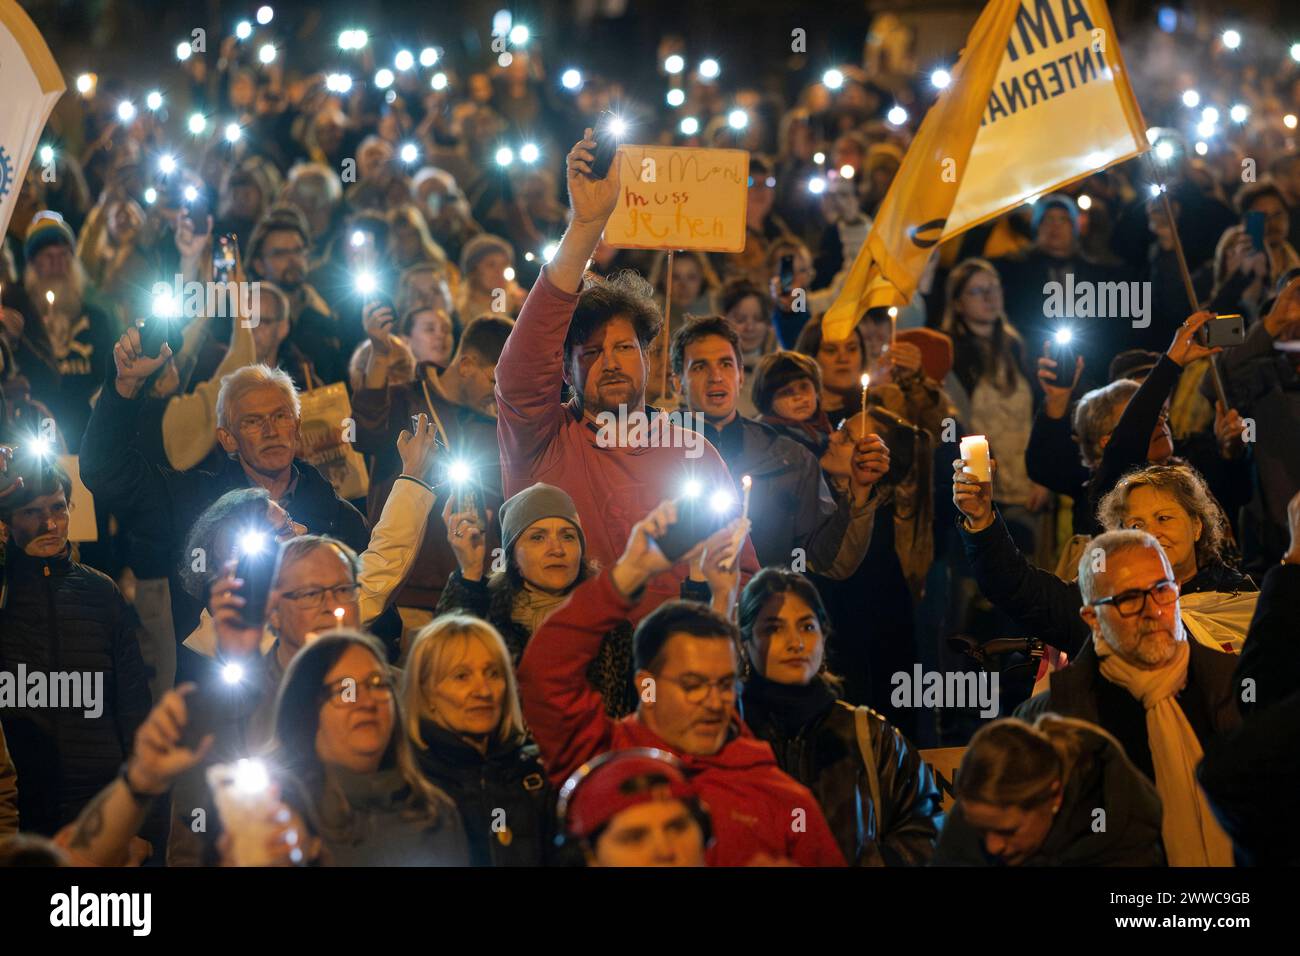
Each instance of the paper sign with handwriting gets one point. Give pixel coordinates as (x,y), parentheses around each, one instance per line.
(680,198)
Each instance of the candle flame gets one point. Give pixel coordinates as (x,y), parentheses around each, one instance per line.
(866,379)
(745,482)
(338,614)
(49,297)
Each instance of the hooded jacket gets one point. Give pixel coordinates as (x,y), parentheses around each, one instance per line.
(756,807)
(613,484)
(64,617)
(1103,778)
(503,796)
(814,737)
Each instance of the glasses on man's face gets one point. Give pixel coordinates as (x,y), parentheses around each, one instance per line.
(346,690)
(312,599)
(696,689)
(256,424)
(1129,603)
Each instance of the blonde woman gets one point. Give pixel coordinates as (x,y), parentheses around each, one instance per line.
(463,718)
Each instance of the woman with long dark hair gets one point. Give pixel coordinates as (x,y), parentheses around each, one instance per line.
(879,797)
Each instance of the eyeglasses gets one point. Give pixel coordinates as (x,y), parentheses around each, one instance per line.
(696,691)
(255,424)
(343,692)
(1129,603)
(308,599)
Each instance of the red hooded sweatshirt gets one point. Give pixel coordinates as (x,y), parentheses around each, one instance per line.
(613,487)
(756,807)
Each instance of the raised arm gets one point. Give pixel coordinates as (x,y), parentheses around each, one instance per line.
(189,423)
(110,467)
(530,372)
(1039,601)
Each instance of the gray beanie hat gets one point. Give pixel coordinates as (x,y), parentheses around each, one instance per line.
(533,504)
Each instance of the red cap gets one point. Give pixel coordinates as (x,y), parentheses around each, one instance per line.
(596,793)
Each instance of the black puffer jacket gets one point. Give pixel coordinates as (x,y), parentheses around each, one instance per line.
(814,737)
(65,617)
(506,804)
(1103,778)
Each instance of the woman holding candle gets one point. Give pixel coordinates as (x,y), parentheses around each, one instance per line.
(990,389)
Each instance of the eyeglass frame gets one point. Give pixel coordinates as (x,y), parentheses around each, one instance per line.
(1150,592)
(726,694)
(295,596)
(381,687)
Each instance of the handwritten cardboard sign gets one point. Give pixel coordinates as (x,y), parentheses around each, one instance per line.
(680,198)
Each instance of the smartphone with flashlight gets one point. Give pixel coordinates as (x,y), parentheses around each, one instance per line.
(153,333)
(204,707)
(1061,350)
(198,210)
(787,274)
(1222,331)
(256,565)
(607,143)
(225,255)
(697,518)
(1255,222)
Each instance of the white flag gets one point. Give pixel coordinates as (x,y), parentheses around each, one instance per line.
(30,85)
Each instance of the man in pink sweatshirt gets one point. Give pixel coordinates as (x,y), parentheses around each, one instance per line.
(595,341)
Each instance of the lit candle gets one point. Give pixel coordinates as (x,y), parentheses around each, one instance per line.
(746,483)
(49,301)
(338,616)
(975,452)
(866,381)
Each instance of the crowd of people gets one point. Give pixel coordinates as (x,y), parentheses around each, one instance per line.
(519,642)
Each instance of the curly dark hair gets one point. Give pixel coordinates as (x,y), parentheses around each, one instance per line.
(1189,489)
(623,294)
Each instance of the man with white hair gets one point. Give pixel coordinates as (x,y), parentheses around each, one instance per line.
(258,417)
(1160,695)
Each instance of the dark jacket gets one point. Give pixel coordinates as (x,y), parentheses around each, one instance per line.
(790,501)
(610,671)
(381,414)
(1209,701)
(380,829)
(65,617)
(1039,601)
(124,479)
(1249,773)
(1103,778)
(814,737)
(504,800)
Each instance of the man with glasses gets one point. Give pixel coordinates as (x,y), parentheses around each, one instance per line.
(313,589)
(1163,697)
(277,252)
(69,624)
(687,670)
(258,418)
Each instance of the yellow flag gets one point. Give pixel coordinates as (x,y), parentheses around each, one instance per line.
(1039,99)
(31,85)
